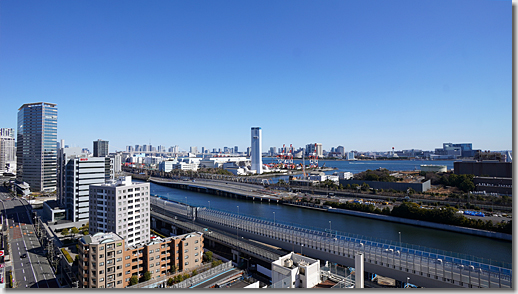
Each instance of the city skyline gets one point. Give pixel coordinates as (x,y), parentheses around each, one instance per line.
(404,74)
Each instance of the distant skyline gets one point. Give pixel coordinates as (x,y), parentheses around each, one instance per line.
(366,75)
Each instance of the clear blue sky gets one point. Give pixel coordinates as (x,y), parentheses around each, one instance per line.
(367,75)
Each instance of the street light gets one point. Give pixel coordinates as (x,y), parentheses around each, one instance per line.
(329,227)
(399,238)
(407,278)
(274,217)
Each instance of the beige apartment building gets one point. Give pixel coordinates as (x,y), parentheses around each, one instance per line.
(106,262)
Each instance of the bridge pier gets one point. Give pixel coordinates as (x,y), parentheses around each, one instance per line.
(235,255)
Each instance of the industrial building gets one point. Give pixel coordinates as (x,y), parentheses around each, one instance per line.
(434,168)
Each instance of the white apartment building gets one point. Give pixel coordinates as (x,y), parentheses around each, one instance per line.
(295,271)
(76,172)
(122,207)
(7,149)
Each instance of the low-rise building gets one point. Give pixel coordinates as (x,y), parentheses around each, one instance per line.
(295,271)
(106,262)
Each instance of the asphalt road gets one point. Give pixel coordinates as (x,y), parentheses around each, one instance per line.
(32,271)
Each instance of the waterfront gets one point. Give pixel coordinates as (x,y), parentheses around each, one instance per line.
(358,166)
(450,241)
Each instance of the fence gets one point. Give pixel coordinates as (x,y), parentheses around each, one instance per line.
(432,263)
(202,277)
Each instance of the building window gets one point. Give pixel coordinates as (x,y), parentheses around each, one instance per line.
(196,242)
(101,279)
(187,256)
(101,263)
(186,263)
(128,257)
(119,251)
(186,250)
(119,259)
(196,260)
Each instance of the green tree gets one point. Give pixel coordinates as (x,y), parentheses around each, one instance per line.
(74,231)
(170,281)
(147,276)
(207,256)
(194,273)
(173,268)
(65,232)
(133,280)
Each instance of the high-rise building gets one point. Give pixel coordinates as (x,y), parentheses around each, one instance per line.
(36,150)
(100,148)
(236,150)
(76,172)
(117,162)
(314,148)
(121,207)
(7,149)
(272,151)
(194,150)
(341,150)
(256,157)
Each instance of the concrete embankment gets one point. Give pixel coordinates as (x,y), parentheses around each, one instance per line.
(457,229)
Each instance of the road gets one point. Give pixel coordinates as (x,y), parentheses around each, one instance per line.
(32,270)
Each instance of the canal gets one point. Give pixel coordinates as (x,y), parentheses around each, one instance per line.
(432,238)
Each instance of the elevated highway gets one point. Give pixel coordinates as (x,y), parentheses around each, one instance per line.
(424,268)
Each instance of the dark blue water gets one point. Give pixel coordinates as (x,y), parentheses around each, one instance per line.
(444,240)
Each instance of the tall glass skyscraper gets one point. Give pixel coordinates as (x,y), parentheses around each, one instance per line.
(36,152)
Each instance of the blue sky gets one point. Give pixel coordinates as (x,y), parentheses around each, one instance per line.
(367,75)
